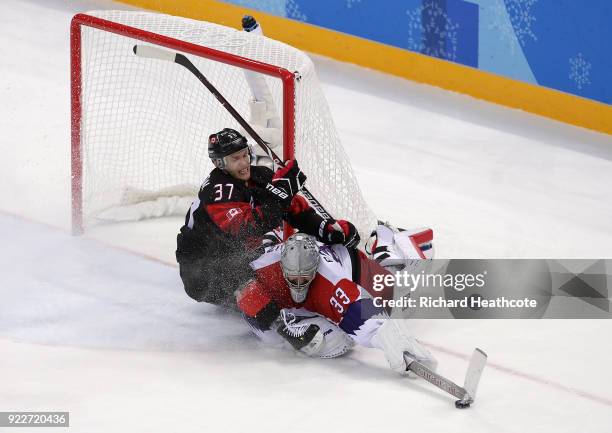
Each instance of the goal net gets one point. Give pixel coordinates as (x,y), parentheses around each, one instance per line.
(140,126)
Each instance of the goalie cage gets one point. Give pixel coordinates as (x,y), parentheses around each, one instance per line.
(140,126)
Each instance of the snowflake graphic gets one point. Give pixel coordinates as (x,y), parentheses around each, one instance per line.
(580,71)
(432,19)
(293,11)
(350,3)
(521,19)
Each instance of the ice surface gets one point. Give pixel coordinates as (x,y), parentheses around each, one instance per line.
(90,327)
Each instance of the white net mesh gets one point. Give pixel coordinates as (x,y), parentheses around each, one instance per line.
(145,122)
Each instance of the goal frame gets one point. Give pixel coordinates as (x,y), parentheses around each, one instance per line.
(287,78)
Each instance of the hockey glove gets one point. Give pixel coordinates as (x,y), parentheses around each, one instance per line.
(286,183)
(304,337)
(340,232)
(290,178)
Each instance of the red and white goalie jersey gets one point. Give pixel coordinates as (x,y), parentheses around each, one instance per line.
(342,290)
(340,299)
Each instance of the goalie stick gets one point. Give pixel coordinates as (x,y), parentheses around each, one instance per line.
(465,394)
(150,52)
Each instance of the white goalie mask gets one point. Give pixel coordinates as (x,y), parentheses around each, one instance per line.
(299,261)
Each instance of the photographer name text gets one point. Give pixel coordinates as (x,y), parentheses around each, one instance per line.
(473,302)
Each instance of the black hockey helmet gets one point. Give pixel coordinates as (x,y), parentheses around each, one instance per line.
(225,143)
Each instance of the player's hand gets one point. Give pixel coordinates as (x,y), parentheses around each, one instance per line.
(341,232)
(290,178)
(286,183)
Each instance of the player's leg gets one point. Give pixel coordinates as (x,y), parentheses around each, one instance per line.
(396,249)
(214,280)
(367,322)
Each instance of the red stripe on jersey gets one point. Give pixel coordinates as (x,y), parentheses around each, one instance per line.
(253,299)
(231,217)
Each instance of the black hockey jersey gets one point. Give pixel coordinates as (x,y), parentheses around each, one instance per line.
(225,225)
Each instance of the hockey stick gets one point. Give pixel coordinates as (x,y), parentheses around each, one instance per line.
(465,394)
(150,52)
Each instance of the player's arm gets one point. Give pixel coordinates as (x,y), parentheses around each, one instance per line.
(264,315)
(258,308)
(329,231)
(282,187)
(310,334)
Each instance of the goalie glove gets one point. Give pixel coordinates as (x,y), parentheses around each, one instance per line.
(340,232)
(304,337)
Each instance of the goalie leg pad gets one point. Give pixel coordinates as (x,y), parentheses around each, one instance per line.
(396,248)
(258,113)
(264,122)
